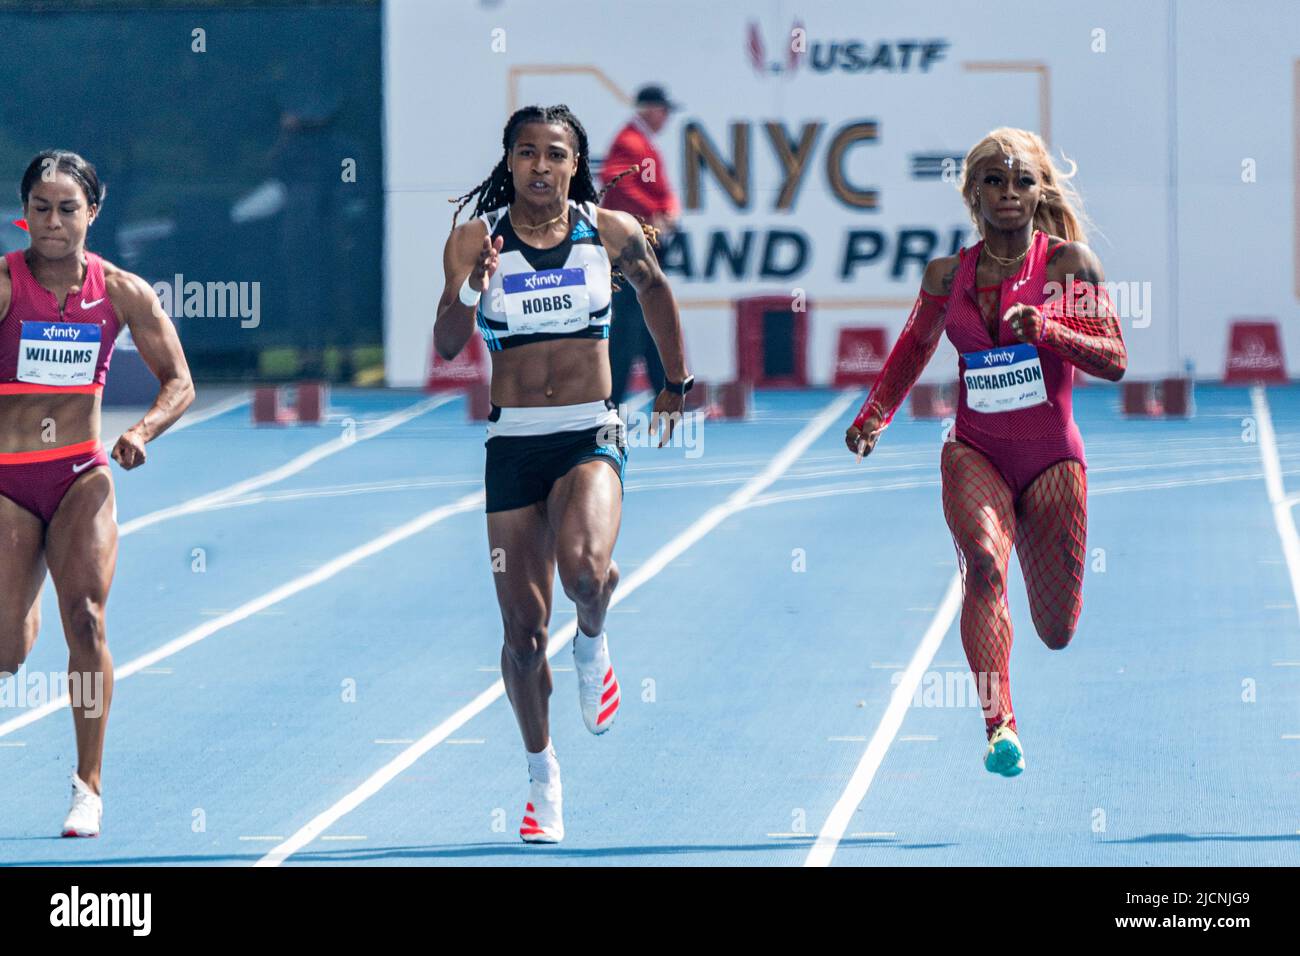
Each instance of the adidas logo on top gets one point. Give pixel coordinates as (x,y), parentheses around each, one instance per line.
(581,231)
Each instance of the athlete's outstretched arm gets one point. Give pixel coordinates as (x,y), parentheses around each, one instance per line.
(155,337)
(631,254)
(469,254)
(1079,325)
(907,359)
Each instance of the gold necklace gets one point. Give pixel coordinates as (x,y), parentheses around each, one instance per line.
(1009,262)
(538,228)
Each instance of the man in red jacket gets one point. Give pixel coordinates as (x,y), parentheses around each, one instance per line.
(646,194)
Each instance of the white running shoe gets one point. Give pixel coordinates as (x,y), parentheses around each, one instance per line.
(87,811)
(597,686)
(543,819)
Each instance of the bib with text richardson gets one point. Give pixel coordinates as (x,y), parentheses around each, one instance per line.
(553,300)
(58,353)
(1004,379)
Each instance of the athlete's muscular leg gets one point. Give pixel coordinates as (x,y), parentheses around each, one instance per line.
(523,562)
(978,507)
(585,508)
(22,572)
(1051,540)
(81,548)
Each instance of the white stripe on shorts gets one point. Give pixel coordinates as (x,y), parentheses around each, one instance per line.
(546,419)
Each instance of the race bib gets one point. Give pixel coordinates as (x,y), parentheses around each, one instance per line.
(1004,379)
(58,353)
(553,300)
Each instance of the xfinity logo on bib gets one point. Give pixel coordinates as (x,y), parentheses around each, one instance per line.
(543,279)
(103,909)
(61,332)
(999,358)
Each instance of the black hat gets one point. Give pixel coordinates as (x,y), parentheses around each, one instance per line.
(655,95)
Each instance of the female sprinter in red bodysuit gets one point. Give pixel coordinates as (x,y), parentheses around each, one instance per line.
(61,308)
(1024,307)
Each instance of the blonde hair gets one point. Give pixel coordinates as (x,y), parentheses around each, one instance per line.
(1060,210)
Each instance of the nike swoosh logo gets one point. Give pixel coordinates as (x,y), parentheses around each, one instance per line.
(90,305)
(78,469)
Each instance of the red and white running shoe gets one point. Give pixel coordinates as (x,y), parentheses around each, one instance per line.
(597,686)
(86,813)
(543,817)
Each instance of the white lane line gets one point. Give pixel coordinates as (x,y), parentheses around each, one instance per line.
(13,743)
(343,837)
(841,814)
(628,586)
(1286,529)
(364,432)
(212,411)
(326,571)
(449,741)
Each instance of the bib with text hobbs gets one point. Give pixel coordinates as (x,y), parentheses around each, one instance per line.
(553,300)
(58,353)
(1004,379)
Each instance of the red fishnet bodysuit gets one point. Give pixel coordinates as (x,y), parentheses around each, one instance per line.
(1013,477)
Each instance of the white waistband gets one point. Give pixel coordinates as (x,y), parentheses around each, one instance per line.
(545,419)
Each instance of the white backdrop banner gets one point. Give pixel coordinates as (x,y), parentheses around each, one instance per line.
(818,143)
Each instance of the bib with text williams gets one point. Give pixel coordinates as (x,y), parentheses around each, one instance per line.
(1004,379)
(58,353)
(553,300)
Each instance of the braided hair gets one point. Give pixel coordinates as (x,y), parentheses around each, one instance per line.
(499,188)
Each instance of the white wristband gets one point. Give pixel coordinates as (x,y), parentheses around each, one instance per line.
(469,295)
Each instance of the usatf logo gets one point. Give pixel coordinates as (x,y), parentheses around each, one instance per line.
(845,56)
(758,55)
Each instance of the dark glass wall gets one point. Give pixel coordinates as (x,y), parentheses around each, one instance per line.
(228,156)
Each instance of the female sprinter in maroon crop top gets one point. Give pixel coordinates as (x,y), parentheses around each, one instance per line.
(61,308)
(1024,308)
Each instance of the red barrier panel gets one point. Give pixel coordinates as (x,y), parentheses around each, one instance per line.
(859,356)
(752,364)
(1139,399)
(1255,353)
(467,368)
(1176,397)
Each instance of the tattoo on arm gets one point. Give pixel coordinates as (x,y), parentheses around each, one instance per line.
(637,260)
(947,280)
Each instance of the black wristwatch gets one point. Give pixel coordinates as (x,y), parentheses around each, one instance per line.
(680,388)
